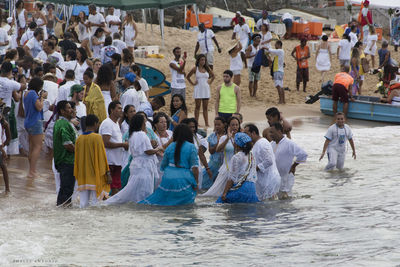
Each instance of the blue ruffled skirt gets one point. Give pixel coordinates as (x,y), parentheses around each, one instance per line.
(126,173)
(245,194)
(214,167)
(176,188)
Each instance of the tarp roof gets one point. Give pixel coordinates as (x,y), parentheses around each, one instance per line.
(386,4)
(127,4)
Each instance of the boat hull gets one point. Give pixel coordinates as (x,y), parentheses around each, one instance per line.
(364,108)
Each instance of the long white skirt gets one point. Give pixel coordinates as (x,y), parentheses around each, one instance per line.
(219,184)
(323,62)
(141,182)
(268,183)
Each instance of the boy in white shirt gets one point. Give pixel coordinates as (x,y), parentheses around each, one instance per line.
(335,143)
(277,68)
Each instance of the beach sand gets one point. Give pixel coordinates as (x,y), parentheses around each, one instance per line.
(267,95)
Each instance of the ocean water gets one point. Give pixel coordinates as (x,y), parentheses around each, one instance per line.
(347,218)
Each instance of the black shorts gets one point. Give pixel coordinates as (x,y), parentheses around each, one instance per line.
(340,92)
(302,75)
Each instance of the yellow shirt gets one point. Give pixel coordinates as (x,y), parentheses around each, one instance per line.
(91,164)
(94,101)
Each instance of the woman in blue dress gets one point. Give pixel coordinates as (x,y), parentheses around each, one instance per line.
(178,110)
(240,187)
(180,166)
(216,158)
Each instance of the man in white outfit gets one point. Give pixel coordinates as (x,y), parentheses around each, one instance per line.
(285,151)
(268,178)
(243,33)
(335,143)
(204,42)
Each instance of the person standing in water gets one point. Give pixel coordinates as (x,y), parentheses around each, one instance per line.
(335,143)
(285,151)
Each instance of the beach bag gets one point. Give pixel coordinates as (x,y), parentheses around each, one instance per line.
(365,65)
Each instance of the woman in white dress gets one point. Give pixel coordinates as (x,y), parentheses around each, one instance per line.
(83,63)
(129,112)
(204,78)
(225,145)
(105,81)
(164,138)
(236,62)
(40,18)
(143,167)
(266,37)
(371,47)
(98,39)
(83,32)
(323,61)
(21,17)
(130,32)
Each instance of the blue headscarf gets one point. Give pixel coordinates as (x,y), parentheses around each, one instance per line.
(241,139)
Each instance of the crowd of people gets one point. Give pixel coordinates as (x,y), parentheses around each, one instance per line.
(83,100)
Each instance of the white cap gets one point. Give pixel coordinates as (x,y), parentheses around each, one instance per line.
(9,20)
(238,12)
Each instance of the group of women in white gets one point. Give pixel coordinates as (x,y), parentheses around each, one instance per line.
(169,168)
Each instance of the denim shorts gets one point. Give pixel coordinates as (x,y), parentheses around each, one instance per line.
(36,129)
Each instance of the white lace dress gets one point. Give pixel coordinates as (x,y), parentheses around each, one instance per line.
(143,171)
(323,62)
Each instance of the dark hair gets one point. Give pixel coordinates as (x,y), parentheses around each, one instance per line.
(181,135)
(108,41)
(358,44)
(347,37)
(157,118)
(116,35)
(91,120)
(273,112)
(37,70)
(6,67)
(221,119)
(206,66)
(278,126)
(116,57)
(191,120)
(37,32)
(98,30)
(71,53)
(47,67)
(136,69)
(279,42)
(89,74)
(240,116)
(183,106)
(324,38)
(159,100)
(229,72)
(52,37)
(35,84)
(112,106)
(137,85)
(127,56)
(10,54)
(136,123)
(61,105)
(32,25)
(83,53)
(176,48)
(142,113)
(70,74)
(353,27)
(73,104)
(252,128)
(247,148)
(19,3)
(266,26)
(104,75)
(231,119)
(385,44)
(126,109)
(39,5)
(50,44)
(92,6)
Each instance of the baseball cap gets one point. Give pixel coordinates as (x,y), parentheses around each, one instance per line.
(130,76)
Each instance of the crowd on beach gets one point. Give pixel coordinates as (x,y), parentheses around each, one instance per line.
(83,99)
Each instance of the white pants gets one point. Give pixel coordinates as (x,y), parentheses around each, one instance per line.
(287,182)
(336,159)
(87,196)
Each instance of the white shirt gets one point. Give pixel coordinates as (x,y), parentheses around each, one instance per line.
(178,79)
(80,70)
(353,38)
(265,37)
(26,36)
(262,21)
(97,19)
(285,151)
(287,16)
(52,92)
(3,39)
(113,28)
(7,87)
(240,167)
(119,44)
(205,41)
(80,110)
(281,56)
(106,52)
(55,58)
(35,46)
(370,39)
(130,97)
(242,32)
(345,49)
(64,91)
(338,136)
(111,128)
(144,85)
